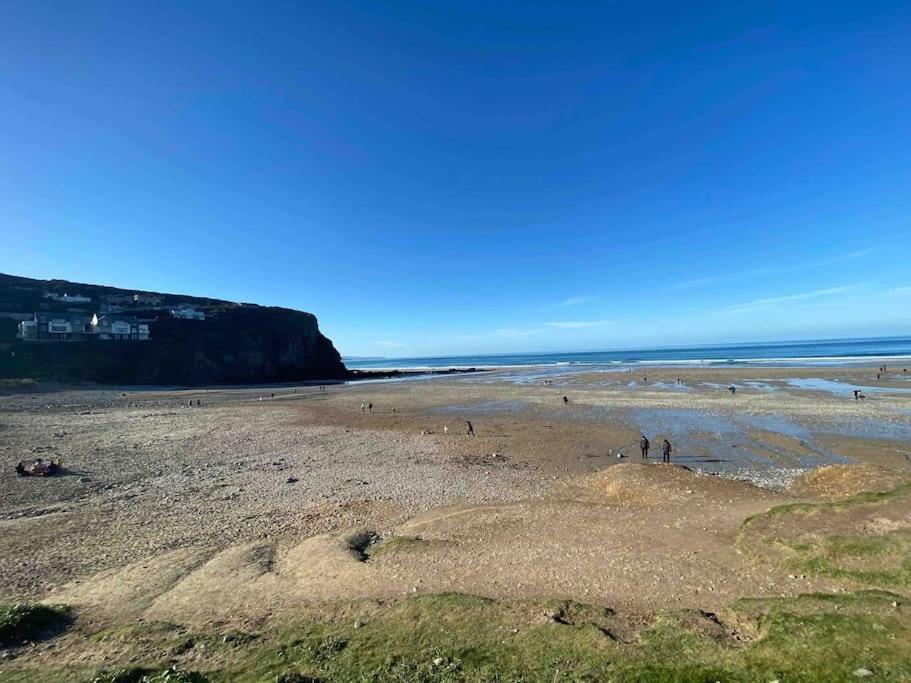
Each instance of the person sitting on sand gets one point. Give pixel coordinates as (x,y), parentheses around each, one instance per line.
(666,451)
(644,446)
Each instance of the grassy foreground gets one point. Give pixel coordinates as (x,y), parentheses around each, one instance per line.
(454,637)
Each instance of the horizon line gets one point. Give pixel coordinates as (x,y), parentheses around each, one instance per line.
(643,348)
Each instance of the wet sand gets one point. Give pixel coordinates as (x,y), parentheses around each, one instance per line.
(148,477)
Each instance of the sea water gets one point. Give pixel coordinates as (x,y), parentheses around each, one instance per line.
(895,351)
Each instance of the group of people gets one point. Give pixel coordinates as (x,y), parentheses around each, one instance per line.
(365,407)
(39,468)
(666,449)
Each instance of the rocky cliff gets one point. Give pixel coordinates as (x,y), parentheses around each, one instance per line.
(235,344)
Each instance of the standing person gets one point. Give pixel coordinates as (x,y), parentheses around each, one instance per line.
(363,408)
(666,451)
(370,407)
(856,391)
(470,428)
(644,446)
(565,400)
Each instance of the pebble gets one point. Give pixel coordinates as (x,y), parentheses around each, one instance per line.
(862,673)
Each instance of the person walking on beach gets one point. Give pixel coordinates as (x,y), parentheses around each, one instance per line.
(666,451)
(363,408)
(370,407)
(856,392)
(643,446)
(565,400)
(470,428)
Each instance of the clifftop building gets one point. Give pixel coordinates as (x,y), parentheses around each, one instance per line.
(78,327)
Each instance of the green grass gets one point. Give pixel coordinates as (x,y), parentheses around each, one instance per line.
(23,623)
(453,637)
(820,539)
(140,675)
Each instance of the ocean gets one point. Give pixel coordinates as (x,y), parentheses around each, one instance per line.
(816,352)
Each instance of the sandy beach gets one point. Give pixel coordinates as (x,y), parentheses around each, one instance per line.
(259,503)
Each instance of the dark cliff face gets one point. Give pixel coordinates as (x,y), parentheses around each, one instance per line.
(235,345)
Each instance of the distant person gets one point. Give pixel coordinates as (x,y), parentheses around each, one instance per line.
(856,392)
(363,408)
(273,394)
(198,403)
(877,375)
(666,451)
(446,429)
(370,407)
(565,400)
(644,446)
(470,428)
(732,389)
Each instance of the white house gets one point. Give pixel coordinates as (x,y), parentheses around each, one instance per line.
(68,298)
(186,312)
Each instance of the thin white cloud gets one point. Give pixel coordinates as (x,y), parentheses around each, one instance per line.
(803,296)
(574,301)
(698,282)
(389,344)
(513,332)
(575,324)
(850,256)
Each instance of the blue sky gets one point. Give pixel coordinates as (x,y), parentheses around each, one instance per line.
(464,177)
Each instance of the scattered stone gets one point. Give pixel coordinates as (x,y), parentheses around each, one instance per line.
(862,673)
(438,661)
(291,480)
(358,624)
